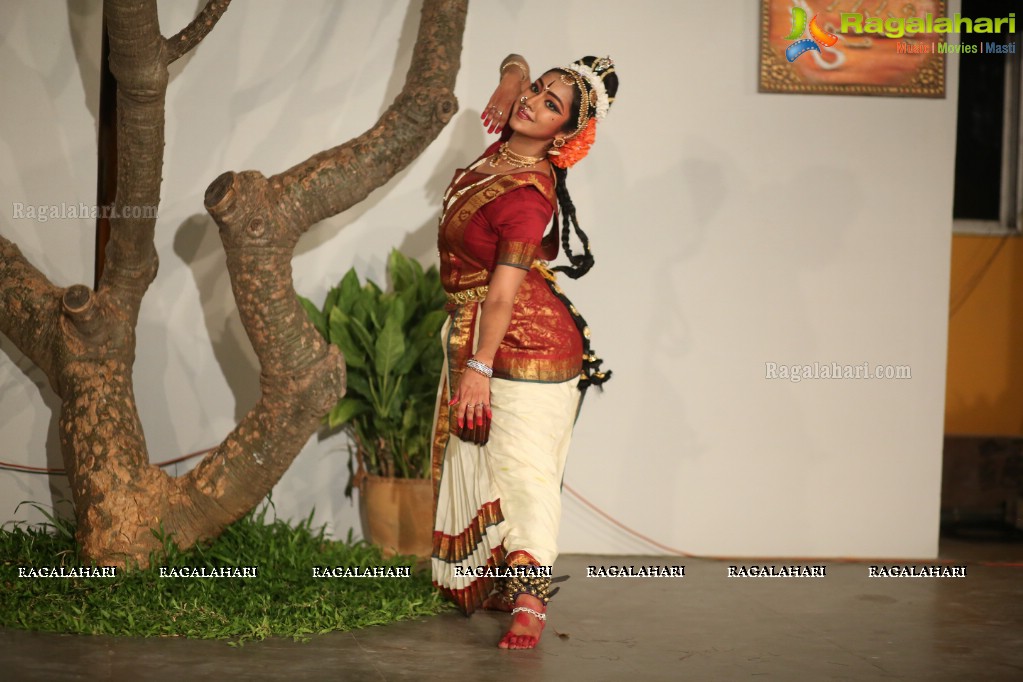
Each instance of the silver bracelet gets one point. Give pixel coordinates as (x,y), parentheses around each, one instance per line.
(474,364)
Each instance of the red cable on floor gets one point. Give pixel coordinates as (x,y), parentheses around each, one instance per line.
(842,560)
(44,470)
(600,512)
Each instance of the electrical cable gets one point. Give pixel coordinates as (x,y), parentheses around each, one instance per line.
(613,521)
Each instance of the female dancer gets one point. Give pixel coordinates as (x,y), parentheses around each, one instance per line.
(517,356)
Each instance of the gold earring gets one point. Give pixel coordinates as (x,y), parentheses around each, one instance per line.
(559,142)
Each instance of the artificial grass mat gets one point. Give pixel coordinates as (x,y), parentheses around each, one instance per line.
(284,599)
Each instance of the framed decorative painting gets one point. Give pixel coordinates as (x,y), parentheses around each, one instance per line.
(853,47)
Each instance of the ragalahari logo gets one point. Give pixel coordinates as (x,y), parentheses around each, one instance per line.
(818,36)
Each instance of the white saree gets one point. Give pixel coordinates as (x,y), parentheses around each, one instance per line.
(504,496)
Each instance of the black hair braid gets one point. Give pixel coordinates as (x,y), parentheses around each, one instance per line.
(580,263)
(591,374)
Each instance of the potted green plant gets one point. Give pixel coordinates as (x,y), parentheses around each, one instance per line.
(393,353)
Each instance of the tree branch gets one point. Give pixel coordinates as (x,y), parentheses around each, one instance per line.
(85,340)
(302,375)
(190,36)
(29,306)
(336,179)
(260,222)
(138,62)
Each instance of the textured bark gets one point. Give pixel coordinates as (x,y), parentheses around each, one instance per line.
(191,35)
(85,340)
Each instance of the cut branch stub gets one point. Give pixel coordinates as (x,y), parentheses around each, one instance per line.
(244,206)
(446,108)
(217,192)
(77,299)
(80,306)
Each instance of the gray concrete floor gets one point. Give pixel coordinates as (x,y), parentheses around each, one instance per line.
(703,627)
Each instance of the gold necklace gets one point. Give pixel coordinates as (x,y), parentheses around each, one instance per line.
(512,159)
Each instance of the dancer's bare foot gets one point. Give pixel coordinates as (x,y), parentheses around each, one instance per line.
(526,627)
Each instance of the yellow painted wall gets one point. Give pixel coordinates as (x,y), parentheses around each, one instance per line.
(984,393)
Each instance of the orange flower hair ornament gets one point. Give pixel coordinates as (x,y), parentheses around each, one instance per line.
(593,96)
(576,148)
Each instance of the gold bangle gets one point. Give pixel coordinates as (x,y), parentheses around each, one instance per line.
(521,66)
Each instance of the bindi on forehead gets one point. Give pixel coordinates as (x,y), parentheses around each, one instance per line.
(554,78)
(552,87)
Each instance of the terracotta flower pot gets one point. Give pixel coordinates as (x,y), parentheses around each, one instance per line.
(397,514)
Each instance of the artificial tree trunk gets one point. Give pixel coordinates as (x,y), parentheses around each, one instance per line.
(84,339)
